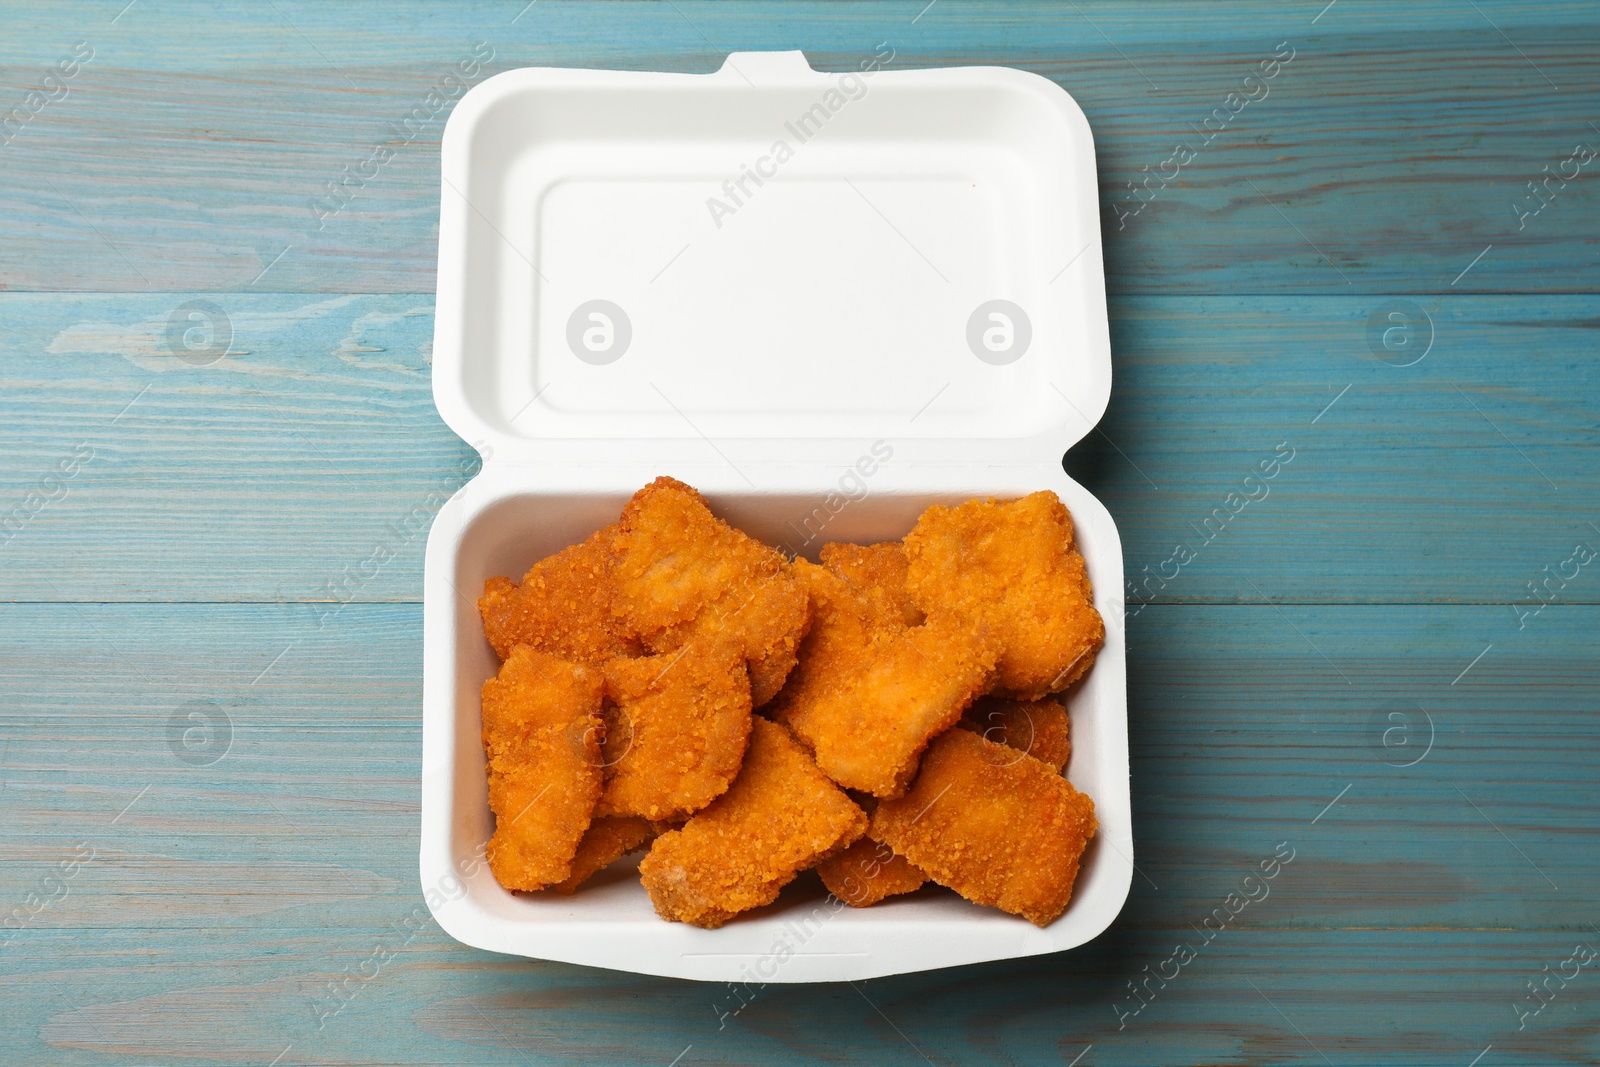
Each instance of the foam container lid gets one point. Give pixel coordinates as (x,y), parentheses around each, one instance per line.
(765,281)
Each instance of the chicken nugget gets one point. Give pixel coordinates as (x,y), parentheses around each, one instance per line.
(677,735)
(843,623)
(1000,830)
(541,735)
(1011,565)
(563,605)
(685,574)
(877,572)
(872,691)
(606,841)
(779,816)
(1037,727)
(867,872)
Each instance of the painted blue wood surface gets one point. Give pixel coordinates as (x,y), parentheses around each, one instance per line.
(1355,665)
(318,434)
(1385,157)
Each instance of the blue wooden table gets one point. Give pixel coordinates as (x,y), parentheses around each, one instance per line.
(1384,258)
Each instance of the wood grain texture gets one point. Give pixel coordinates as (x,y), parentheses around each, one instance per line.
(231,894)
(1351,665)
(314,440)
(223,899)
(324,399)
(1243,721)
(437,1004)
(1383,158)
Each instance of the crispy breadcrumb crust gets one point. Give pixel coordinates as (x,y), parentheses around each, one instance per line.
(1037,727)
(867,872)
(676,735)
(622,715)
(877,572)
(685,574)
(1011,565)
(606,841)
(871,691)
(564,605)
(1000,829)
(779,816)
(541,730)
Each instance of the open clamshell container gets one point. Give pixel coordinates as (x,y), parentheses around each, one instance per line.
(825,300)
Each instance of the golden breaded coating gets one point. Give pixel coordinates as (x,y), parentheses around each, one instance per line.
(999,830)
(877,572)
(843,623)
(1011,565)
(563,605)
(685,574)
(607,841)
(1037,727)
(872,691)
(541,734)
(867,872)
(677,735)
(780,815)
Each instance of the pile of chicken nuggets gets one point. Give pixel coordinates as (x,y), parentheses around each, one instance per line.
(887,717)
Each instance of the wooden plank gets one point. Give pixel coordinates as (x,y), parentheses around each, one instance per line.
(1397,471)
(223,898)
(157,996)
(1351,665)
(1385,157)
(292,457)
(325,401)
(1246,724)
